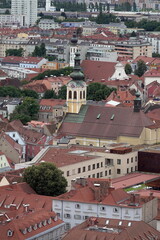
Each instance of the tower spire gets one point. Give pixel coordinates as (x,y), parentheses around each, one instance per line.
(77,74)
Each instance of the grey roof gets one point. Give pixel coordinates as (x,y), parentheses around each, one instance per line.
(105,122)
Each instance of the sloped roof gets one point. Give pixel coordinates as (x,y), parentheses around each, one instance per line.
(105,122)
(97,70)
(118,229)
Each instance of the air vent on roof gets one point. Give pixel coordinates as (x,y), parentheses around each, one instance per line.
(96,184)
(129,224)
(120,223)
(112,117)
(107,222)
(98,116)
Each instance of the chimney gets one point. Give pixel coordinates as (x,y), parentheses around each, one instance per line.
(137,198)
(151,196)
(97,192)
(137,103)
(26,207)
(132,199)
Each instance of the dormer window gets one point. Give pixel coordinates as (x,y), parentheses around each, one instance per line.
(40,224)
(30,229)
(10,233)
(49,221)
(35,226)
(24,231)
(44,223)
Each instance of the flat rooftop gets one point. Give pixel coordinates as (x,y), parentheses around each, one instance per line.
(133,179)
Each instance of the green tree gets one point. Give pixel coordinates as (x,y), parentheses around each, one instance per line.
(26,111)
(65,71)
(46,179)
(50,94)
(15,52)
(39,51)
(42,50)
(7,12)
(97,91)
(29,93)
(133,34)
(134,7)
(141,68)
(156,55)
(128,68)
(62,92)
(9,91)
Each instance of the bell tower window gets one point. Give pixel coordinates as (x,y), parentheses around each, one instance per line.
(80,94)
(75,95)
(84,94)
(70,94)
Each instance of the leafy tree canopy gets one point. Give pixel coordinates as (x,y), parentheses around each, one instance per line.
(46,179)
(50,94)
(128,68)
(12,91)
(27,111)
(141,68)
(39,51)
(97,91)
(15,52)
(70,6)
(156,55)
(65,71)
(62,92)
(144,23)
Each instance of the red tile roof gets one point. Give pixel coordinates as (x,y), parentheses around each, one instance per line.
(67,155)
(50,104)
(133,179)
(122,96)
(13,59)
(96,70)
(112,229)
(86,191)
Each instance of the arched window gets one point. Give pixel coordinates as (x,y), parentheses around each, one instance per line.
(84,94)
(80,94)
(70,94)
(75,95)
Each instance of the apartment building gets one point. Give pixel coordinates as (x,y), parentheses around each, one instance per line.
(28,45)
(28,8)
(97,198)
(77,161)
(133,48)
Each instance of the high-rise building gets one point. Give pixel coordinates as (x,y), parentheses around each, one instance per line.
(28,8)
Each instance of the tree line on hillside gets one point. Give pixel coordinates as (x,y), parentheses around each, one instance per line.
(144,23)
(70,6)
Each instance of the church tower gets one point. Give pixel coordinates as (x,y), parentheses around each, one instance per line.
(73,49)
(76,88)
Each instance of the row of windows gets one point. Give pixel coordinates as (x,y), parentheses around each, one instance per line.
(115,210)
(74,95)
(84,169)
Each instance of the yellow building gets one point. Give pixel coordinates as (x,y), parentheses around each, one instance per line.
(53,65)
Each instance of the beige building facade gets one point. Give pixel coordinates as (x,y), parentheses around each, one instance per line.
(88,163)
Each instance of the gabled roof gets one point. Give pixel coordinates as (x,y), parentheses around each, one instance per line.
(105,122)
(97,70)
